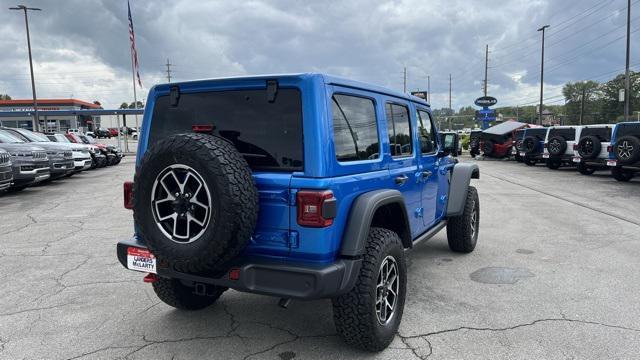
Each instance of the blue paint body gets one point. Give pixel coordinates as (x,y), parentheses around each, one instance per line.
(278,235)
(615,134)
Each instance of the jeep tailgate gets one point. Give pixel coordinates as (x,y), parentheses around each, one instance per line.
(272,236)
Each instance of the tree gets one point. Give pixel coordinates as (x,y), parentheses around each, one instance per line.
(125,105)
(612,109)
(5,97)
(573,94)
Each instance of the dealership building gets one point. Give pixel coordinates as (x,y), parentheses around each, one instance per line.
(50,123)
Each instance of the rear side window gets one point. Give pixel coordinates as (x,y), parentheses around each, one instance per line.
(426,133)
(267,134)
(399,129)
(567,134)
(355,133)
(604,134)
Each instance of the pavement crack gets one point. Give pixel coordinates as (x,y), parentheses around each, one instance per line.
(34,309)
(563,319)
(99,350)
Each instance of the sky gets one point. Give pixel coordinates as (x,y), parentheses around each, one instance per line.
(81,47)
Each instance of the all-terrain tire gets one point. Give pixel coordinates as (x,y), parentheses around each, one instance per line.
(175,293)
(621,174)
(585,170)
(225,182)
(487,147)
(354,313)
(589,147)
(627,150)
(462,231)
(529,144)
(557,145)
(553,164)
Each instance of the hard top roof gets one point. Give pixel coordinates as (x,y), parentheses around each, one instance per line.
(505,128)
(327,79)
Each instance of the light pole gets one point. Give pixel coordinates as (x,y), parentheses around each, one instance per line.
(541,74)
(627,80)
(36,120)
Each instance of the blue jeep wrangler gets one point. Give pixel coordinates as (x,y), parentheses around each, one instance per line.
(532,147)
(296,186)
(624,151)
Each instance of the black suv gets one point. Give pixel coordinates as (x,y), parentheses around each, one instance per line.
(474,142)
(624,152)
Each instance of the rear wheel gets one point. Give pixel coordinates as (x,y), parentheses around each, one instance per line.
(174,292)
(585,170)
(369,315)
(462,231)
(621,174)
(553,164)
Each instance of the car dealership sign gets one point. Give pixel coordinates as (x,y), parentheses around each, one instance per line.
(486,101)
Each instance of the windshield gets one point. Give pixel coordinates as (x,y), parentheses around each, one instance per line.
(42,137)
(61,138)
(28,135)
(7,138)
(86,139)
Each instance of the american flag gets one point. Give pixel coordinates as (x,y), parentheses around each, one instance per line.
(134,52)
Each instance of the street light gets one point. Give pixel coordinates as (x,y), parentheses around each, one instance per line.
(541,73)
(36,119)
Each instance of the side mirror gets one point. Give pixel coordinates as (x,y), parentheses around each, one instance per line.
(449,145)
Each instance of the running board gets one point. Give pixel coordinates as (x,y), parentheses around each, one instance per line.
(430,233)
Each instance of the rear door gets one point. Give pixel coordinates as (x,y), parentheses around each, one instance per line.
(429,166)
(403,167)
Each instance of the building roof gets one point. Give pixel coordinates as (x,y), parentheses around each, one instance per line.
(63,102)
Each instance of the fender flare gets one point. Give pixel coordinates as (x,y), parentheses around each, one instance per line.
(461,176)
(363,209)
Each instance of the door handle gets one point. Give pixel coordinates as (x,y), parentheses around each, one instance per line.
(400,180)
(426,174)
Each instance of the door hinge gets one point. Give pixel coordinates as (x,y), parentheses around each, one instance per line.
(292,197)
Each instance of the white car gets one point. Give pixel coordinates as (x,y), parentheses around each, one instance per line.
(591,152)
(558,146)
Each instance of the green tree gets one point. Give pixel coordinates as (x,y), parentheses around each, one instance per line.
(5,97)
(612,109)
(572,92)
(124,105)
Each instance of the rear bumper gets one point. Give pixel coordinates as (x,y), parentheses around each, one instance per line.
(287,280)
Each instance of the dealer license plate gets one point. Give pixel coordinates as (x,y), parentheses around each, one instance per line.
(577,159)
(546,156)
(141,260)
(522,153)
(612,163)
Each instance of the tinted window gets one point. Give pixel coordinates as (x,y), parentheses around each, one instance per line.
(519,134)
(267,134)
(538,133)
(7,138)
(355,134)
(567,134)
(628,129)
(399,130)
(426,132)
(604,134)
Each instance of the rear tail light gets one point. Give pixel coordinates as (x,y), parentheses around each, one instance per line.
(609,148)
(316,208)
(202,129)
(150,278)
(128,195)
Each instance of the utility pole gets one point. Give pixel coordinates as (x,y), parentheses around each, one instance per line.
(518,112)
(584,92)
(429,89)
(627,80)
(168,64)
(450,108)
(486,67)
(541,74)
(405,80)
(36,119)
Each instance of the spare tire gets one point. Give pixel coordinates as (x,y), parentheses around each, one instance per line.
(530,144)
(627,150)
(474,143)
(589,147)
(487,147)
(195,202)
(557,145)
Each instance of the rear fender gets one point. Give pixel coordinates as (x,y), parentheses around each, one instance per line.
(361,218)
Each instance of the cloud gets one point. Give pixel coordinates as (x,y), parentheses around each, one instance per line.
(81,48)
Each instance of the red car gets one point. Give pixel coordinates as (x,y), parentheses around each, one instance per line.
(113,131)
(497,141)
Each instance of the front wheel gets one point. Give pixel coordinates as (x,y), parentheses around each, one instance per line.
(369,315)
(174,292)
(462,231)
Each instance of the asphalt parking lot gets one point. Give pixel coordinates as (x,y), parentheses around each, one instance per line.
(555,276)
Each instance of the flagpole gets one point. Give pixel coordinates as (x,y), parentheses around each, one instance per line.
(135,97)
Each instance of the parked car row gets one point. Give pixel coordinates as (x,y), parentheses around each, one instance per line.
(28,158)
(589,148)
